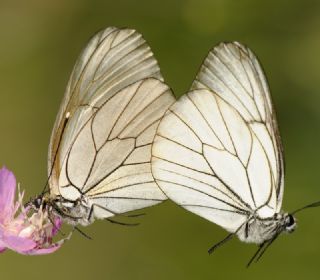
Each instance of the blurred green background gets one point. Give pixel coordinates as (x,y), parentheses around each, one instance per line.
(40,41)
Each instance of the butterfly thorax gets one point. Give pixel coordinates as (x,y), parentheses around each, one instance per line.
(73,212)
(258,231)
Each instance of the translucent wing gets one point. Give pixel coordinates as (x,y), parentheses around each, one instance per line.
(113,59)
(102,151)
(214,156)
(233,72)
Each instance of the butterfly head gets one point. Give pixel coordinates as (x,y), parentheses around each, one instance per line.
(41,201)
(270,230)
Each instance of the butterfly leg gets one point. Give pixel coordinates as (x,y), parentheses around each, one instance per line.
(229,236)
(82,233)
(250,219)
(246,230)
(260,248)
(135,215)
(109,219)
(220,243)
(122,223)
(126,216)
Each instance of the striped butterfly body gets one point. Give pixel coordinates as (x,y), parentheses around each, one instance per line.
(100,149)
(218,153)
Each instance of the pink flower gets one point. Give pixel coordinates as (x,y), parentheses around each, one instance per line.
(29,232)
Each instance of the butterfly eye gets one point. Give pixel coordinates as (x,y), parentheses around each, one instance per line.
(291,220)
(290,223)
(37,202)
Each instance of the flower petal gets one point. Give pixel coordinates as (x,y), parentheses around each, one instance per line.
(2,249)
(28,232)
(7,193)
(2,246)
(43,251)
(18,244)
(56,226)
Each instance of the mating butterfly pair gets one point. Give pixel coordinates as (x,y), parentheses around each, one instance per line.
(121,142)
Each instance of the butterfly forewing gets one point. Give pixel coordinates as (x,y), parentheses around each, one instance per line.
(114,101)
(216,151)
(233,72)
(113,59)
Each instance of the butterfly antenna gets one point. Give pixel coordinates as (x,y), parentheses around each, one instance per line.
(56,153)
(312,205)
(262,249)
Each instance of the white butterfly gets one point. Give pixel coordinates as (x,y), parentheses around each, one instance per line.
(218,153)
(100,149)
